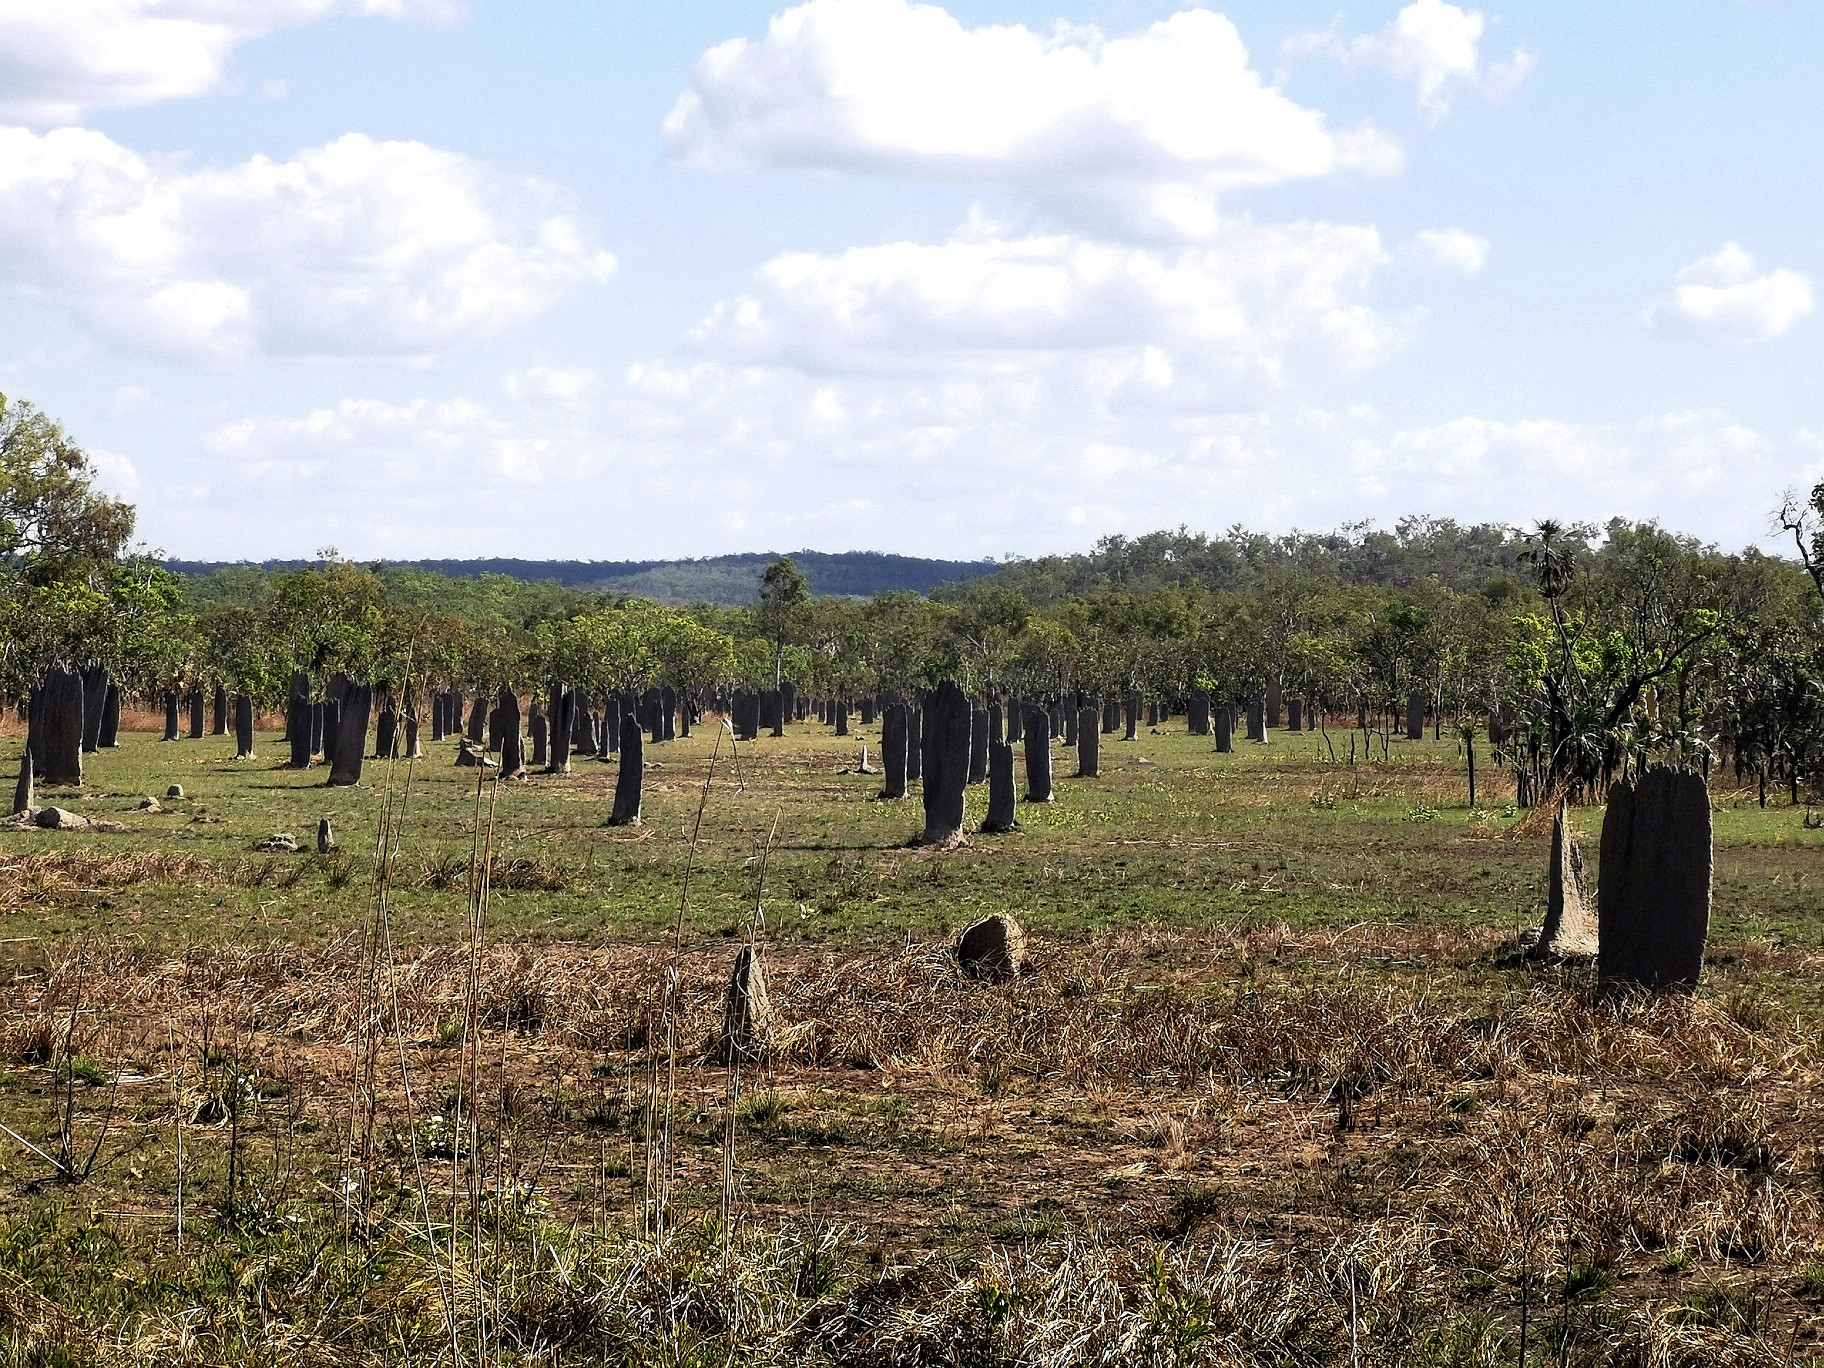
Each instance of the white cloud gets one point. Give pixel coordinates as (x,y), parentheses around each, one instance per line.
(565,384)
(1259,305)
(717,456)
(1723,296)
(356,248)
(1453,249)
(1435,45)
(1149,128)
(61,57)
(115,473)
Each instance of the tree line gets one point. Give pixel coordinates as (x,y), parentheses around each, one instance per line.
(1573,653)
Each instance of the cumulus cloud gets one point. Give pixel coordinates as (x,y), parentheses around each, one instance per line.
(1673,465)
(1259,305)
(565,384)
(1453,249)
(717,454)
(1435,45)
(1151,127)
(1726,297)
(356,248)
(61,57)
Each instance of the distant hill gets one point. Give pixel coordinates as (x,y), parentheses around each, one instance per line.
(728,580)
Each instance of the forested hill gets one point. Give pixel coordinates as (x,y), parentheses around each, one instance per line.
(729,580)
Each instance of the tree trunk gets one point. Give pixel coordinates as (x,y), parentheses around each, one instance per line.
(1089,744)
(945,762)
(351,736)
(55,733)
(1653,899)
(631,780)
(1001,795)
(110,720)
(893,730)
(1038,757)
(243,727)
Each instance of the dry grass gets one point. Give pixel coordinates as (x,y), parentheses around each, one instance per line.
(1240,1147)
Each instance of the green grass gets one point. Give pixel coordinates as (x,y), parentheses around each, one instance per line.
(1170,834)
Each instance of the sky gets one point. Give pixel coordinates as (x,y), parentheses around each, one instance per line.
(607,280)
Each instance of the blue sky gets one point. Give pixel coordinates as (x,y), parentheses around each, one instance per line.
(606,280)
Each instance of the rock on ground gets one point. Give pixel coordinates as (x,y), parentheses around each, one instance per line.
(992,950)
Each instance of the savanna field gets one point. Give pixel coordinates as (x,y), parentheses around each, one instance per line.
(1274,1089)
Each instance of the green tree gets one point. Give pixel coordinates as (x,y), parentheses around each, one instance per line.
(785,599)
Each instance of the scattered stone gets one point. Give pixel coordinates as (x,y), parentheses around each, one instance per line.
(947,722)
(749,1021)
(1001,794)
(23,791)
(243,727)
(350,740)
(61,819)
(1038,757)
(1089,744)
(631,778)
(1653,901)
(326,837)
(110,719)
(893,736)
(1569,931)
(54,728)
(150,804)
(279,843)
(512,739)
(474,755)
(992,950)
(175,791)
(1257,720)
(978,746)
